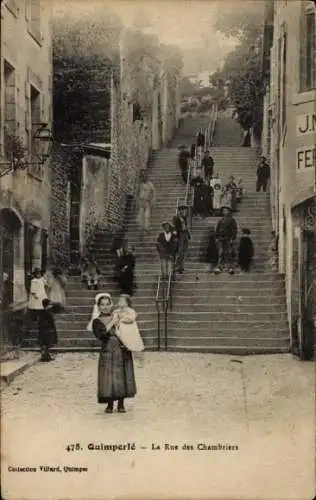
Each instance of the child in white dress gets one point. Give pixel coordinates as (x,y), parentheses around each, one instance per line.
(127,329)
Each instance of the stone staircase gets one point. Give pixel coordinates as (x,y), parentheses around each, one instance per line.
(240,314)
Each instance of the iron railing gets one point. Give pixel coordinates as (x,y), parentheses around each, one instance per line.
(164,304)
(164,292)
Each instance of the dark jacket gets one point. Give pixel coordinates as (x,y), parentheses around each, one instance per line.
(263,171)
(208,166)
(212,251)
(227,228)
(166,248)
(47,333)
(200,140)
(126,263)
(246,250)
(178,225)
(183,158)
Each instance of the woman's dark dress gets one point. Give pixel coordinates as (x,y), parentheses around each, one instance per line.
(212,251)
(116,378)
(245,253)
(126,267)
(47,333)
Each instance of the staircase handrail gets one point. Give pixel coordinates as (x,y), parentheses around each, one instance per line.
(213,123)
(158,301)
(168,301)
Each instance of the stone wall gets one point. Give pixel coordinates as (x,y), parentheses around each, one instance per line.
(60,208)
(131,145)
(95,196)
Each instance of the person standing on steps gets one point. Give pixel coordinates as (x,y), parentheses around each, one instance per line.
(200,141)
(263,175)
(182,232)
(226,234)
(126,268)
(212,250)
(208,167)
(245,251)
(167,247)
(183,159)
(37,295)
(47,333)
(216,186)
(146,202)
(116,378)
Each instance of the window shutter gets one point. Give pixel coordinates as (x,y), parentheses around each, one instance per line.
(303,52)
(27,114)
(10,105)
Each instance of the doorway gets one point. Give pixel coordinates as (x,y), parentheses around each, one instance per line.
(10,227)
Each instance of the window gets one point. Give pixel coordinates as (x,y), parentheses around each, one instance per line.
(33,17)
(308,49)
(10,124)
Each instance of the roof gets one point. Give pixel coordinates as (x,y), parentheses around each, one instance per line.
(98,149)
(304,195)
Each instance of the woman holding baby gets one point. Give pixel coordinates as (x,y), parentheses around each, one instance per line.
(117,330)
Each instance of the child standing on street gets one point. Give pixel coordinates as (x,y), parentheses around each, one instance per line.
(246,251)
(47,333)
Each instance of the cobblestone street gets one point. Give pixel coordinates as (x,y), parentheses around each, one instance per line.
(262,404)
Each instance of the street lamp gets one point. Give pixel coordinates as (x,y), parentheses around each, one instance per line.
(42,142)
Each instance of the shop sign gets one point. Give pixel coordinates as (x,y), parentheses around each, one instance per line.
(306,124)
(305,158)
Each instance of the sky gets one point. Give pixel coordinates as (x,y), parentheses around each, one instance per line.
(185,23)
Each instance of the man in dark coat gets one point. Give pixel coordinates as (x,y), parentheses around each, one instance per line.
(181,227)
(47,333)
(226,234)
(183,159)
(200,139)
(208,166)
(202,198)
(263,175)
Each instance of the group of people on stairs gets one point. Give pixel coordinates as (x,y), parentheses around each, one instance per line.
(224,251)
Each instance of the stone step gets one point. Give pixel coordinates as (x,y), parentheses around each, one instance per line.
(210,342)
(145,299)
(234,350)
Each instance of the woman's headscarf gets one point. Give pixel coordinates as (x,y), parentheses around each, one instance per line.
(95,311)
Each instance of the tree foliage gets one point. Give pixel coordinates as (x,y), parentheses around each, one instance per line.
(85,50)
(242,67)
(243,20)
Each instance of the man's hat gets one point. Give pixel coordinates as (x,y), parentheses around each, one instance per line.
(165,223)
(226,207)
(182,147)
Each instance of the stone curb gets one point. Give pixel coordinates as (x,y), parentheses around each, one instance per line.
(9,377)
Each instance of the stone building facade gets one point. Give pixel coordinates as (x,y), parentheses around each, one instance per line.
(26,102)
(289,138)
